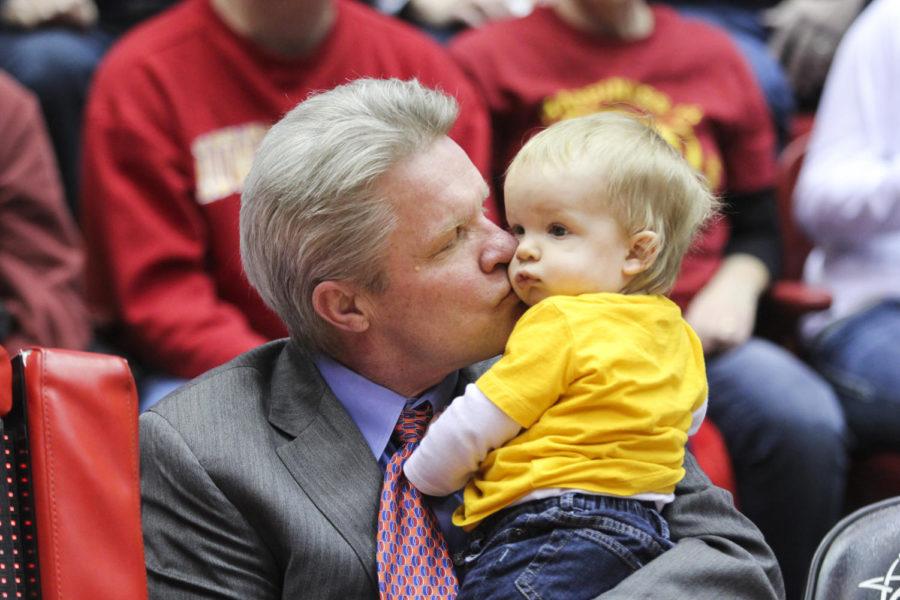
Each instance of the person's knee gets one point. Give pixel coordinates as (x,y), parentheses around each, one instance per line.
(781,406)
(811,428)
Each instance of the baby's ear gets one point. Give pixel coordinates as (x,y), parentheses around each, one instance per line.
(642,252)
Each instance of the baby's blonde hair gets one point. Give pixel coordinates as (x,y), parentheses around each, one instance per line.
(642,181)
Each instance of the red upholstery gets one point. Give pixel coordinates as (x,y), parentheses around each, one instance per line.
(81,418)
(796,244)
(712,455)
(790,298)
(790,293)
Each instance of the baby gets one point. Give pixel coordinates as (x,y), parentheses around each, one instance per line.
(573,441)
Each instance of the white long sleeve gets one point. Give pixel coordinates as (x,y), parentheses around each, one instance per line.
(456,443)
(849,187)
(848,195)
(697,418)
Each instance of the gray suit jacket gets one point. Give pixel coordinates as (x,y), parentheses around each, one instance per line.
(257,485)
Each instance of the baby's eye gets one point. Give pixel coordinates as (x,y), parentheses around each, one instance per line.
(517,230)
(557,230)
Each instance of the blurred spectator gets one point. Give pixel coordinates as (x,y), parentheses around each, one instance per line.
(52,47)
(788,43)
(471,13)
(804,35)
(848,200)
(782,423)
(177,110)
(442,19)
(41,258)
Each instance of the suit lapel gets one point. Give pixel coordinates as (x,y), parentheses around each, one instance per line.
(328,457)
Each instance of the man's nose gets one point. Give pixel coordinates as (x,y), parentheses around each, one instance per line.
(498,250)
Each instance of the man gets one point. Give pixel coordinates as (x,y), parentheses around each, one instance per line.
(177,109)
(362,227)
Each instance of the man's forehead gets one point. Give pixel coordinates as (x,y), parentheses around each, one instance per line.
(439,184)
(441,198)
(459,209)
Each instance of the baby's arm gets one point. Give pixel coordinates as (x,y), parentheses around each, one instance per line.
(697,418)
(457,442)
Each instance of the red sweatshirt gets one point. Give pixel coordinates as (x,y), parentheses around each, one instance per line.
(177,109)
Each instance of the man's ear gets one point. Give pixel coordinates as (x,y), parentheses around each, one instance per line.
(642,252)
(341,304)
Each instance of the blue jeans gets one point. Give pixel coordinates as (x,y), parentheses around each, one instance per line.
(571,546)
(785,432)
(860,356)
(56,64)
(748,32)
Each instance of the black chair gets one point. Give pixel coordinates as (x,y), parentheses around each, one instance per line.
(859,559)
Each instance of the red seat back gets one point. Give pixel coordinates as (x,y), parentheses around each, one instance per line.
(73,417)
(712,455)
(796,245)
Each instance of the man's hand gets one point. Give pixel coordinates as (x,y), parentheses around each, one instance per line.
(29,14)
(805,36)
(724,311)
(441,13)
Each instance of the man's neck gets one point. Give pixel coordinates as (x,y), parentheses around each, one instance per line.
(288,28)
(626,20)
(398,374)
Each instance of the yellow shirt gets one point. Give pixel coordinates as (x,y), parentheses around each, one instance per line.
(604,386)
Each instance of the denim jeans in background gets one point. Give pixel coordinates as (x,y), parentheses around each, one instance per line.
(786,436)
(860,357)
(573,547)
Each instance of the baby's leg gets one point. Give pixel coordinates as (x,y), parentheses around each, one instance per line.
(557,548)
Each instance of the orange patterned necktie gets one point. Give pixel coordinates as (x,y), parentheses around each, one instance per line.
(412,556)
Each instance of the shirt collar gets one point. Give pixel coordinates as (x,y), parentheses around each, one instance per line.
(376,409)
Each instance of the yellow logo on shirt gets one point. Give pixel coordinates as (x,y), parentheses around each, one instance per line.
(674,122)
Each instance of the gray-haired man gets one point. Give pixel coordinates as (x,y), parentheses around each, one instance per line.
(362,227)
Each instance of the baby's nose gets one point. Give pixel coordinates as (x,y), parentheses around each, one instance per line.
(527,250)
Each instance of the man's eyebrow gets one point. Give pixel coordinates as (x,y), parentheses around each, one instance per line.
(461,219)
(458,220)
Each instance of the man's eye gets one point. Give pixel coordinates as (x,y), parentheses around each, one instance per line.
(517,230)
(557,230)
(458,235)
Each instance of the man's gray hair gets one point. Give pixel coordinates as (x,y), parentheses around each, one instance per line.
(311,207)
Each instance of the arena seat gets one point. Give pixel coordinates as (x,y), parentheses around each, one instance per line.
(70,526)
(789,297)
(860,556)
